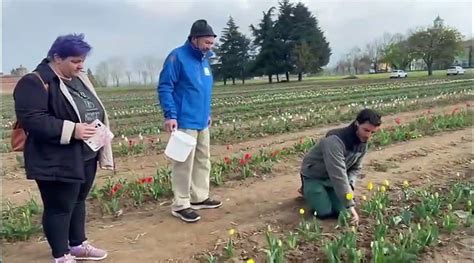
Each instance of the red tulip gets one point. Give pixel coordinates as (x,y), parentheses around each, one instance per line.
(275,153)
(145,180)
(149,179)
(115,188)
(247,156)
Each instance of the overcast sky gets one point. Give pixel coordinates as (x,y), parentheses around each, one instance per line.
(135,28)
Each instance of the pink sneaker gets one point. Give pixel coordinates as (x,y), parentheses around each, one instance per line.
(66,259)
(87,252)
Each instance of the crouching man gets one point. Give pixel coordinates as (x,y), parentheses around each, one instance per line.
(330,169)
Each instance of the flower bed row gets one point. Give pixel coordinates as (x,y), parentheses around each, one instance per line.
(398,224)
(117,196)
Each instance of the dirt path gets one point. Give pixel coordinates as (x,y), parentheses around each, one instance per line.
(155,236)
(17,189)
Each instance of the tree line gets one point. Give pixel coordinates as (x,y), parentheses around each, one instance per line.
(435,46)
(143,69)
(287,40)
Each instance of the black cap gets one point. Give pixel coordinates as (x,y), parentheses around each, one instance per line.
(201,28)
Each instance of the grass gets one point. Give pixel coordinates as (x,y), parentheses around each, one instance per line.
(294,78)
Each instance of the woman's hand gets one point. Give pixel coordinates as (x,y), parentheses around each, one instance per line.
(84,131)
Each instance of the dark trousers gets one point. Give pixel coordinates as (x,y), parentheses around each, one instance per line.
(321,198)
(65,210)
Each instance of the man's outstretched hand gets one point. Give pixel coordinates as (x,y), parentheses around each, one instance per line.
(355,216)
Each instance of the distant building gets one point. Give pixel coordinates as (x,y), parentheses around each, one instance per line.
(417,64)
(18,72)
(465,59)
(8,81)
(438,22)
(381,68)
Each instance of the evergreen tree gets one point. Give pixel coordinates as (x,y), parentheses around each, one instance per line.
(233,52)
(266,61)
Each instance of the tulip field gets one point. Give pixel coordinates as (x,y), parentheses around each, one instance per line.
(415,198)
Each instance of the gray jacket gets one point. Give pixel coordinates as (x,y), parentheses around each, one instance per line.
(337,157)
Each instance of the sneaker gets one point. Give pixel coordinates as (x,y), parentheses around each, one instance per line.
(68,258)
(332,215)
(187,215)
(87,252)
(300,195)
(300,191)
(206,204)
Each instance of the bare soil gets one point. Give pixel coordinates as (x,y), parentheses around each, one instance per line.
(151,234)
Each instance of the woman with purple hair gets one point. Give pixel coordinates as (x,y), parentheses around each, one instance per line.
(56,105)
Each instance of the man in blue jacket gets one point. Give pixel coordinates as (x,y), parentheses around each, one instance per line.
(185,90)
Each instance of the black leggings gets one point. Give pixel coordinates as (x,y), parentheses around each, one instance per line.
(65,210)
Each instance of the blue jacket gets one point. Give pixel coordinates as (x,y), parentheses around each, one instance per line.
(185,87)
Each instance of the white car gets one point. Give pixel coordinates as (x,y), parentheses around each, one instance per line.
(455,70)
(398,73)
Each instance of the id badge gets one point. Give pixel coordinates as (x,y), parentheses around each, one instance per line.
(207,72)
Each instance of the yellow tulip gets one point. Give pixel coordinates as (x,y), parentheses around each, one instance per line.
(301,211)
(382,189)
(349,196)
(406,184)
(231,232)
(386,183)
(370,186)
(251,261)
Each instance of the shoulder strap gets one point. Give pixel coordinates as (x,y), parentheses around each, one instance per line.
(41,79)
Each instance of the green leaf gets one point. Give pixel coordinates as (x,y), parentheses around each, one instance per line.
(396,220)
